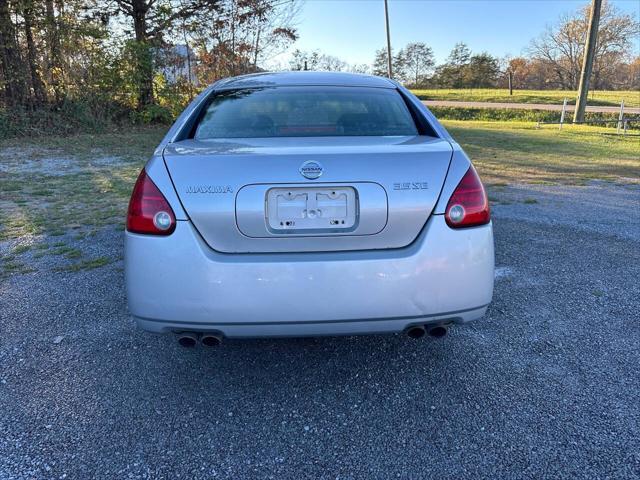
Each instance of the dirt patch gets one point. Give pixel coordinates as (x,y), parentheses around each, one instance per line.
(33,160)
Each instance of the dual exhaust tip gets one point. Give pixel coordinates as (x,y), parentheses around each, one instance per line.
(435,331)
(191,339)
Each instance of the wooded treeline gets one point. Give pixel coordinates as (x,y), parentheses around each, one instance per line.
(551,61)
(129,59)
(94,62)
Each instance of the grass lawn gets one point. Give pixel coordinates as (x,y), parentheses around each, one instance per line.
(631,98)
(59,192)
(56,187)
(517,152)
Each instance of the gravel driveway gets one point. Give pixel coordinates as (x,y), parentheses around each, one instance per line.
(547,386)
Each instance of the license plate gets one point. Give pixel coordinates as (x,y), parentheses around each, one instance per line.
(322,208)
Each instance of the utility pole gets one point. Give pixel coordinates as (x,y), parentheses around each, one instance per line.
(587,62)
(386,16)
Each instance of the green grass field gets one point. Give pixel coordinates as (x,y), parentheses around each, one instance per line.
(518,152)
(613,98)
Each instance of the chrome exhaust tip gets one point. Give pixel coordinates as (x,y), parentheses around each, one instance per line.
(417,331)
(437,331)
(187,339)
(210,340)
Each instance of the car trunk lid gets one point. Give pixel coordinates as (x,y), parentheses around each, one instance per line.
(308,194)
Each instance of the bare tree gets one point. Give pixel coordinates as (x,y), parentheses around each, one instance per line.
(562,47)
(274,27)
(315,60)
(241,35)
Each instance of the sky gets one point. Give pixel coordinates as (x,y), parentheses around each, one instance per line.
(353,29)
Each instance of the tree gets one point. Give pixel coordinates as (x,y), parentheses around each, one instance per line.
(15,85)
(54,61)
(273,26)
(93,62)
(380,65)
(153,19)
(520,69)
(452,73)
(301,60)
(361,68)
(318,61)
(240,35)
(418,62)
(562,47)
(32,55)
(466,70)
(628,75)
(460,55)
(482,71)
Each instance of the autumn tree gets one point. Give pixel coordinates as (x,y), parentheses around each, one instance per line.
(241,35)
(520,69)
(561,47)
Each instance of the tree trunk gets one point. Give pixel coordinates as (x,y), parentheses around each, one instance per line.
(39,95)
(233,38)
(144,55)
(15,87)
(257,48)
(54,65)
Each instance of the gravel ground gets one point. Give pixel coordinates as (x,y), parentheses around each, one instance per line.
(546,386)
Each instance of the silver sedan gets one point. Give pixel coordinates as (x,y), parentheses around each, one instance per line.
(306,203)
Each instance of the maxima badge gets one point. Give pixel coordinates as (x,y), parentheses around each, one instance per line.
(311,170)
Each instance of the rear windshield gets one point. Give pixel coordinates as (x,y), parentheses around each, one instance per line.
(305,112)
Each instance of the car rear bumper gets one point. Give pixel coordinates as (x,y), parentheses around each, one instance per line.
(177,283)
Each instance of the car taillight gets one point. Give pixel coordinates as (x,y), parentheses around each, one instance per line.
(469,205)
(149,212)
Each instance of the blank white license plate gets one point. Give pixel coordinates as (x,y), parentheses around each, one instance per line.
(321,208)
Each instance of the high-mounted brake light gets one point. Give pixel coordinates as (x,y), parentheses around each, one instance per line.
(469,205)
(149,212)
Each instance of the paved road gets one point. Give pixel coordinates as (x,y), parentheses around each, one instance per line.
(525,106)
(546,386)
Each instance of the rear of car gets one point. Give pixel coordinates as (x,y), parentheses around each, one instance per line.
(307,204)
